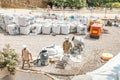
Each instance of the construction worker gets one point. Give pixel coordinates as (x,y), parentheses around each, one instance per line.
(67,45)
(26,56)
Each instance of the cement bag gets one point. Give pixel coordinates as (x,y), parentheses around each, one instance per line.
(46,29)
(36,28)
(51,51)
(56,29)
(13,29)
(65,29)
(23,20)
(81,29)
(73,27)
(25,30)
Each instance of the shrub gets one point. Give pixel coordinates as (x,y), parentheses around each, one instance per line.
(109,4)
(8,59)
(116,5)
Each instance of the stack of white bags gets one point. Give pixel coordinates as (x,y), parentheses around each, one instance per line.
(36,23)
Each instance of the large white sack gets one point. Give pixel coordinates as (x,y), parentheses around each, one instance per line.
(73,27)
(13,29)
(65,29)
(3,26)
(56,29)
(40,20)
(25,30)
(55,52)
(23,20)
(9,19)
(36,28)
(78,40)
(81,29)
(46,29)
(51,51)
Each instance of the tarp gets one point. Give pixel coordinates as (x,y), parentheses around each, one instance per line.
(109,71)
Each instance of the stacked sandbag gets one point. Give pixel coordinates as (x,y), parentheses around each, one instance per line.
(13,29)
(36,28)
(65,29)
(46,28)
(81,29)
(55,28)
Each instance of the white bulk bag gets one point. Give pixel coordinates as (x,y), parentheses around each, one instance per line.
(73,27)
(23,20)
(56,29)
(13,29)
(36,28)
(25,30)
(3,26)
(51,51)
(81,29)
(8,19)
(46,29)
(65,29)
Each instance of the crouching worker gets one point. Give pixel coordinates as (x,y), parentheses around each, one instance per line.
(26,56)
(67,46)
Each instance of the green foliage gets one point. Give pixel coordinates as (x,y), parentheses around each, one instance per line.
(116,5)
(8,59)
(69,3)
(109,4)
(101,3)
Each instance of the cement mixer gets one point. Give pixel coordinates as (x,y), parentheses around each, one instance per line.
(78,45)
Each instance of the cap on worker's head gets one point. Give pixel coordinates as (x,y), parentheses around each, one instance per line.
(66,38)
(24,46)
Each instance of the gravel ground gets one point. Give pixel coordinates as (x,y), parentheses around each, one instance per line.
(93,47)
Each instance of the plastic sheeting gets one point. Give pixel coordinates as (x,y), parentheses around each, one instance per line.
(109,71)
(25,30)
(13,29)
(81,29)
